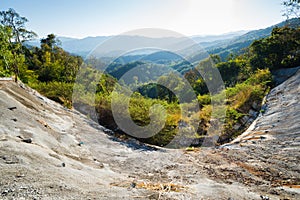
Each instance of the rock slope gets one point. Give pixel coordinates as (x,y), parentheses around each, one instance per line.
(49,152)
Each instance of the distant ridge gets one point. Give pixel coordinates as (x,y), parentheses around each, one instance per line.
(223,44)
(236,45)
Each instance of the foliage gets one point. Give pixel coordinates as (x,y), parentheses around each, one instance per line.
(6,55)
(17,34)
(247,77)
(52,63)
(13,20)
(234,71)
(280,50)
(139,110)
(204,99)
(57,91)
(240,100)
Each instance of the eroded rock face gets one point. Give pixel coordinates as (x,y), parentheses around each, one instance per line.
(263,162)
(282,75)
(86,110)
(273,140)
(281,112)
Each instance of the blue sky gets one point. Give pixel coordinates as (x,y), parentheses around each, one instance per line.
(82,18)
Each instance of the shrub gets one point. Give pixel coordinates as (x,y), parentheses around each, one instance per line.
(57,91)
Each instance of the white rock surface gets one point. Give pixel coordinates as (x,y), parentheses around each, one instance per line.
(55,166)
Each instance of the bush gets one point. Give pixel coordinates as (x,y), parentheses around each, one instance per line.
(204,99)
(57,91)
(240,99)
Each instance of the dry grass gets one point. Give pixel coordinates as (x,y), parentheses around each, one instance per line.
(163,187)
(160,187)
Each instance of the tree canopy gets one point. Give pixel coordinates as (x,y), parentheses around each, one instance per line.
(16,33)
(280,50)
(12,19)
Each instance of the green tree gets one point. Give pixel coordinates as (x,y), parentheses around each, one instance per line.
(280,50)
(52,63)
(173,88)
(16,23)
(6,56)
(51,41)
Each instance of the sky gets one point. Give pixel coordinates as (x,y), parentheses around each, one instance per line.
(82,18)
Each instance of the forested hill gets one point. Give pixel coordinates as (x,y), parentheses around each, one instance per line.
(150,124)
(247,79)
(237,45)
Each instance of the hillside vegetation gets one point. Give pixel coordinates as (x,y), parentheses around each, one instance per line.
(247,78)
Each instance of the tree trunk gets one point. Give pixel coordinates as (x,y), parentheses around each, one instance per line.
(16,72)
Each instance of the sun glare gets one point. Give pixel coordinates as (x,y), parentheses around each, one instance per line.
(208,16)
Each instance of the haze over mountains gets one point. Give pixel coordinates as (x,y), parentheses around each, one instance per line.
(85,45)
(223,44)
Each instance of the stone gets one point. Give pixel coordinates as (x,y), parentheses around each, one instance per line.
(133,185)
(10,159)
(236,126)
(4,193)
(12,108)
(253,113)
(264,197)
(263,137)
(27,140)
(80,143)
(264,108)
(255,106)
(244,119)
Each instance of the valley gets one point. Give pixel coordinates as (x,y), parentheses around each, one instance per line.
(72,157)
(150,113)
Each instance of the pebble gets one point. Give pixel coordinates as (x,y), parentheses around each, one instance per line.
(133,185)
(264,197)
(27,140)
(12,108)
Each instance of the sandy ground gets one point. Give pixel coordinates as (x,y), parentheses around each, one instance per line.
(50,152)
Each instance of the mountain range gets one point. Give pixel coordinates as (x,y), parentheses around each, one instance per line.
(223,44)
